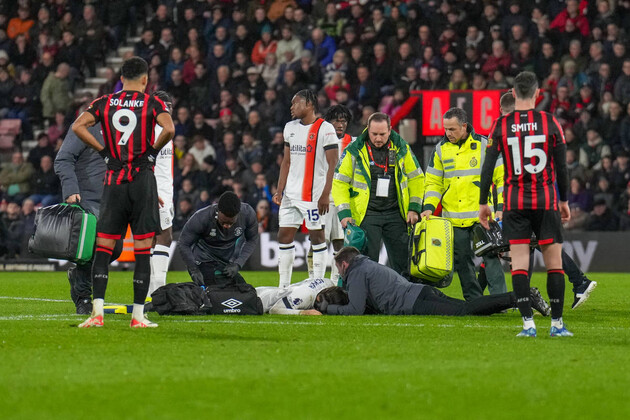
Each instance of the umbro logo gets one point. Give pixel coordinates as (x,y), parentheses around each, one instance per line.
(232,303)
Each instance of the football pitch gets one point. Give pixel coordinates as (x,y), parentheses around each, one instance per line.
(298,367)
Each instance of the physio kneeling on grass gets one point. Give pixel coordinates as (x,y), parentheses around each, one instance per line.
(374,288)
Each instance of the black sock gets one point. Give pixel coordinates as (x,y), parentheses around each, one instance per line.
(520,284)
(141,275)
(100,271)
(555,290)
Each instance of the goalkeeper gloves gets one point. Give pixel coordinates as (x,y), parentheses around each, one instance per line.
(231,270)
(197,277)
(112,163)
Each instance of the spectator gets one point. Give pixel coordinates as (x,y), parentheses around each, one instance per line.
(302,24)
(227,123)
(217,57)
(45,183)
(22,53)
(578,218)
(602,218)
(583,124)
(146,46)
(592,152)
(20,24)
(289,87)
(212,176)
(185,209)
(322,46)
(336,82)
(367,90)
(7,86)
(620,174)
(288,44)
(15,178)
(271,110)
(265,45)
(111,79)
(625,130)
(187,168)
(572,14)
(44,24)
(245,100)
(267,221)
(250,150)
(156,82)
(221,36)
(254,85)
(575,54)
(66,23)
(43,69)
(603,82)
(11,231)
(92,35)
(201,128)
(176,62)
(622,85)
(203,200)
(545,59)
(308,71)
(200,149)
(611,126)
(160,21)
(194,58)
(165,44)
(572,79)
(70,52)
(578,195)
(228,148)
(603,191)
(270,71)
(499,60)
(576,170)
(44,148)
(179,90)
(56,94)
(188,191)
(57,130)
(183,123)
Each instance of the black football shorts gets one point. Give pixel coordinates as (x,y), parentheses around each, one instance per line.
(518,226)
(134,203)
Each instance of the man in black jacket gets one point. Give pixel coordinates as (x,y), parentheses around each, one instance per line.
(375,288)
(81,171)
(217,241)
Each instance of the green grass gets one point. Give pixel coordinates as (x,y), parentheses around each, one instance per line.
(404,367)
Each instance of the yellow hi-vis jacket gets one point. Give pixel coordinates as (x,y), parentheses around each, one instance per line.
(453,177)
(352,182)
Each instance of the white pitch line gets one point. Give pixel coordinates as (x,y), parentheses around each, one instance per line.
(37,299)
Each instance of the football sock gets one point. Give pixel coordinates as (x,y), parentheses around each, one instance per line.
(319,260)
(286,256)
(100,271)
(528,323)
(520,284)
(334,273)
(557,323)
(97,307)
(555,290)
(309,263)
(141,275)
(137,312)
(159,267)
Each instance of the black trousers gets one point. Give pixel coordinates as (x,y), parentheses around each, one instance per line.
(81,274)
(433,302)
(213,274)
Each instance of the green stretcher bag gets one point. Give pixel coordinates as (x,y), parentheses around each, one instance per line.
(64,231)
(431,251)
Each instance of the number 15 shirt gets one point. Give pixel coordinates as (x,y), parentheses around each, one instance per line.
(308,145)
(534,153)
(128,119)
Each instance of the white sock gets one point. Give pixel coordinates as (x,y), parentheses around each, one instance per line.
(319,260)
(286,256)
(528,323)
(309,263)
(334,273)
(159,267)
(97,307)
(138,312)
(557,323)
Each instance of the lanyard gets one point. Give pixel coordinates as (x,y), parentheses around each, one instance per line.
(372,162)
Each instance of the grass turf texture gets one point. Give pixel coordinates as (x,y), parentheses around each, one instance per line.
(307,367)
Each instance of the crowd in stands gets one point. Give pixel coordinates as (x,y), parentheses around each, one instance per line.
(232,68)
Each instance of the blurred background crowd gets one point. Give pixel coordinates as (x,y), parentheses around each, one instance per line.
(232,68)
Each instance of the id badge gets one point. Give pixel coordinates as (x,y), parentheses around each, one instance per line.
(382,186)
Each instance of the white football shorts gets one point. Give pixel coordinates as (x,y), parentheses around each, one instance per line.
(293,212)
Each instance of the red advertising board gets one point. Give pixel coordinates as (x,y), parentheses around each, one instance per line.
(482,107)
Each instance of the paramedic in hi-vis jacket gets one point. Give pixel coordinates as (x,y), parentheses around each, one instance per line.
(453,177)
(378,185)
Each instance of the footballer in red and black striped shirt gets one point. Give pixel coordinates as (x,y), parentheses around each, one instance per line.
(130,196)
(128,119)
(534,154)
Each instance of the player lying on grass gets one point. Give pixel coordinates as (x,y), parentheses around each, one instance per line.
(296,299)
(375,288)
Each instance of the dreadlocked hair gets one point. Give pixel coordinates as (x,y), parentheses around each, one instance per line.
(336,112)
(310,97)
